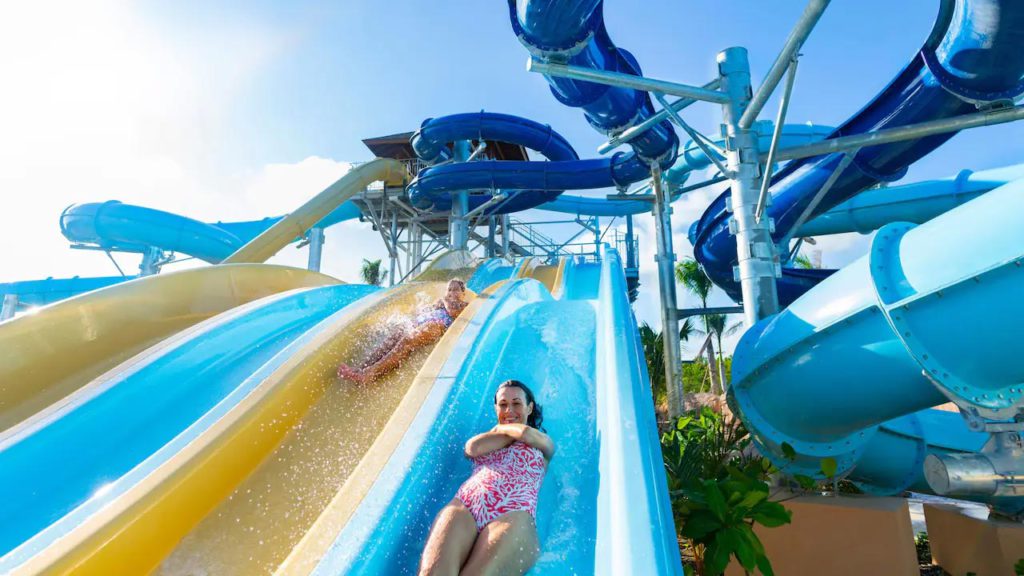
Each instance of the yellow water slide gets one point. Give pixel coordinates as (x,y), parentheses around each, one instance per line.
(245,491)
(46,356)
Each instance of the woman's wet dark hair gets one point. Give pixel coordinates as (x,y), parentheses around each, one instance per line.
(536,418)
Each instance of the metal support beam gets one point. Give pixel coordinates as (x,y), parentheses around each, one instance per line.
(633,132)
(630,247)
(665,259)
(393,248)
(754,246)
(806,214)
(780,120)
(478,151)
(458,228)
(625,81)
(505,231)
(812,13)
(912,132)
(675,194)
(151,261)
(490,237)
(316,246)
(712,156)
(10,307)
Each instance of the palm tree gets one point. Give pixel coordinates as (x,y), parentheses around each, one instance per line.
(717,327)
(692,277)
(371,272)
(653,345)
(802,261)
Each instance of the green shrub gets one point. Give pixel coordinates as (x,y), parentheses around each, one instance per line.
(719,493)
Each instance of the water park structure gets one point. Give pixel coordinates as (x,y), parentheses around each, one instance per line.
(192,421)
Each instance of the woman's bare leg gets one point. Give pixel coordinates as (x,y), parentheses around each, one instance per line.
(390,341)
(508,545)
(423,336)
(450,541)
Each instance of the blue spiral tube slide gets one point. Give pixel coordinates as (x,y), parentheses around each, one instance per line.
(972,58)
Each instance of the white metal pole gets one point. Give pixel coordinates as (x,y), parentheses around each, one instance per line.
(458,229)
(756,253)
(666,259)
(316,246)
(10,307)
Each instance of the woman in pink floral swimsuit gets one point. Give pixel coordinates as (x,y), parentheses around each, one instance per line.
(489,527)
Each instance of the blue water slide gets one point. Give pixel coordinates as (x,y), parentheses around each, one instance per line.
(578,36)
(917,202)
(33,293)
(908,316)
(159,403)
(123,227)
(530,184)
(603,505)
(972,58)
(526,184)
(491,271)
(115,226)
(573,32)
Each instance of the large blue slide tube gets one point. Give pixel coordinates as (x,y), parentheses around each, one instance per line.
(123,227)
(972,58)
(930,315)
(527,184)
(917,202)
(573,31)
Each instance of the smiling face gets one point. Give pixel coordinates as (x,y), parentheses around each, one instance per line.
(511,405)
(456,291)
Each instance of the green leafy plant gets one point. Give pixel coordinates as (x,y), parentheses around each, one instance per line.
(1018,568)
(719,492)
(923,547)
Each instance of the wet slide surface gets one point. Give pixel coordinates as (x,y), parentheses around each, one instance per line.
(253,529)
(72,459)
(552,344)
(170,400)
(48,355)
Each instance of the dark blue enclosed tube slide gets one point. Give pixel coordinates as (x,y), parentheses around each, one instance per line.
(525,184)
(576,36)
(971,60)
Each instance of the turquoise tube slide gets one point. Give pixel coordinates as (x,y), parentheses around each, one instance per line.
(930,315)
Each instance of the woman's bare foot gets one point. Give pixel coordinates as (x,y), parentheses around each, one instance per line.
(347,372)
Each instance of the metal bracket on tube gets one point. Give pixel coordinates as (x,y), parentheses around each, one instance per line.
(631,133)
(694,135)
(621,80)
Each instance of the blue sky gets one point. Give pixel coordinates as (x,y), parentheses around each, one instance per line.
(236,110)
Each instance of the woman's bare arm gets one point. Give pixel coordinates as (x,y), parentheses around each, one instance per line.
(488,442)
(529,435)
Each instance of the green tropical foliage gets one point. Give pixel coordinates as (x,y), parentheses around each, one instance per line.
(371,272)
(719,493)
(653,345)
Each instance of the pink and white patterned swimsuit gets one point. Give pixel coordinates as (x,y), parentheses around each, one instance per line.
(503,481)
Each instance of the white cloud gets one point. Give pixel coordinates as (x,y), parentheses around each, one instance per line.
(100,104)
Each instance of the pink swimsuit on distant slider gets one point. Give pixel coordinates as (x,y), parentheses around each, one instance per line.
(503,481)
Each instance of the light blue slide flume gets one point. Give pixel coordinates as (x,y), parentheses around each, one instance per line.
(127,228)
(603,506)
